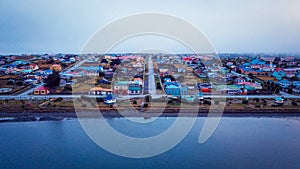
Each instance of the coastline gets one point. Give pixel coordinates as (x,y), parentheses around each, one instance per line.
(61,114)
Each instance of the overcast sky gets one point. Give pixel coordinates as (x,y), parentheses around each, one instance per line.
(63,26)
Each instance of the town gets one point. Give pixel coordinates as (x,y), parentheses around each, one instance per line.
(269,80)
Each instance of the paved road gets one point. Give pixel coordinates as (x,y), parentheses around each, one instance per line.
(151,78)
(45,97)
(75,66)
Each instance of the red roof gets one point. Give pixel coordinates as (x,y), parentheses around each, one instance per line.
(42,88)
(187,59)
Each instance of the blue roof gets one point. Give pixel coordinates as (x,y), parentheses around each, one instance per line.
(171,83)
(255,61)
(172,87)
(109,97)
(284,81)
(48,71)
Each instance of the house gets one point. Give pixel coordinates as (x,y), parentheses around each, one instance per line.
(138,80)
(100,91)
(296,89)
(230,65)
(167,83)
(229,89)
(134,89)
(296,83)
(256,86)
(240,80)
(279,100)
(246,70)
(172,90)
(103,81)
(181,70)
(56,67)
(256,64)
(278,74)
(205,87)
(5,90)
(108,74)
(110,99)
(20,62)
(30,81)
(290,74)
(284,83)
(26,71)
(121,88)
(33,66)
(46,72)
(41,90)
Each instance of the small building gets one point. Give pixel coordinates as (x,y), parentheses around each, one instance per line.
(172,90)
(121,88)
(56,67)
(5,90)
(100,91)
(278,74)
(296,90)
(284,83)
(134,89)
(229,89)
(138,80)
(33,66)
(42,90)
(103,81)
(240,80)
(296,83)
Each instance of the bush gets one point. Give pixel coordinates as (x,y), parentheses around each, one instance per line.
(245,101)
(207,102)
(170,101)
(294,104)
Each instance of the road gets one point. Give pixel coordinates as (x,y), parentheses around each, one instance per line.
(151,78)
(46,97)
(75,66)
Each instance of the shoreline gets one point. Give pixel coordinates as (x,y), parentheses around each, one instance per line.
(59,115)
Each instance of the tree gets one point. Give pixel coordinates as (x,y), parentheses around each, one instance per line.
(50,61)
(101,74)
(251,75)
(53,80)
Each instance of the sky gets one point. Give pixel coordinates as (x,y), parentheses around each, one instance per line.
(64,26)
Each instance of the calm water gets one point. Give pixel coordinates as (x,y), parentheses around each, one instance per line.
(237,143)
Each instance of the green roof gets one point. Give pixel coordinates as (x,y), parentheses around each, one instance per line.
(134,88)
(121,83)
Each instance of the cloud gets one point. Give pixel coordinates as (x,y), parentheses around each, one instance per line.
(54,26)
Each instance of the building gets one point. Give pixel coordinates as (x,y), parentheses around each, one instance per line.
(284,83)
(56,67)
(41,90)
(100,91)
(121,88)
(134,89)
